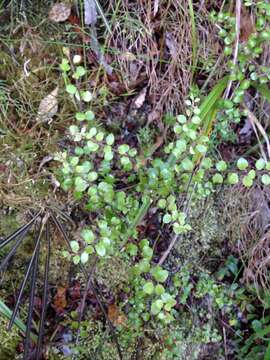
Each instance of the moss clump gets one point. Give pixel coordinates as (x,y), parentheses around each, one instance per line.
(9,341)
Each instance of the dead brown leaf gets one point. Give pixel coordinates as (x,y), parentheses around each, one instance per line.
(48,107)
(60,300)
(116,316)
(140,99)
(60,12)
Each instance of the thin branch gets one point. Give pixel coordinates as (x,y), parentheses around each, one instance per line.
(236,47)
(82,306)
(45,292)
(13,250)
(28,270)
(31,304)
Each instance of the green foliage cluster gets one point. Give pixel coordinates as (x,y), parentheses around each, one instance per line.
(118,189)
(247,70)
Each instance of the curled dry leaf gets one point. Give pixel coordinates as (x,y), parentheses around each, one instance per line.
(60,12)
(48,107)
(128,56)
(140,99)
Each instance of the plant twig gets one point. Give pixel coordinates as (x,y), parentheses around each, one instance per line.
(45,292)
(82,306)
(236,47)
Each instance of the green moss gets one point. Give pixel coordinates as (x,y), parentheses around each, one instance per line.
(9,341)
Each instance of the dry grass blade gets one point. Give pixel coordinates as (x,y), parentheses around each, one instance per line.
(255,123)
(19,231)
(26,275)
(13,250)
(45,292)
(31,304)
(61,230)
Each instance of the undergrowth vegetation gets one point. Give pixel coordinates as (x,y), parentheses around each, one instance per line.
(166,194)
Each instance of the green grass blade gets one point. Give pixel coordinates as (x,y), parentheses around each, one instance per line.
(212,98)
(147,201)
(100,10)
(7,313)
(193,36)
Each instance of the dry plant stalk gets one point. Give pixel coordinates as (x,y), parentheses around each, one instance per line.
(154,42)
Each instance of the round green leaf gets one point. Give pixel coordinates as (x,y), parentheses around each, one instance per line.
(181,145)
(64,66)
(187,164)
(181,119)
(101,249)
(221,166)
(86,96)
(217,179)
(123,149)
(202,149)
(161,203)
(75,247)
(89,115)
(196,120)
(159,289)
(132,249)
(88,235)
(260,164)
(247,181)
(84,257)
(110,139)
(71,89)
(148,288)
(156,306)
(233,178)
(159,274)
(80,116)
(265,179)
(80,184)
(147,252)
(167,218)
(242,164)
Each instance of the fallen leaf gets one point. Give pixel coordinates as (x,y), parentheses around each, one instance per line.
(140,99)
(153,116)
(60,300)
(128,56)
(48,107)
(116,316)
(90,12)
(60,12)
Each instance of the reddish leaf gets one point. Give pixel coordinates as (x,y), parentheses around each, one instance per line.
(60,300)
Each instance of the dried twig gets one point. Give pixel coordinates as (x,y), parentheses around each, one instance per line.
(255,122)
